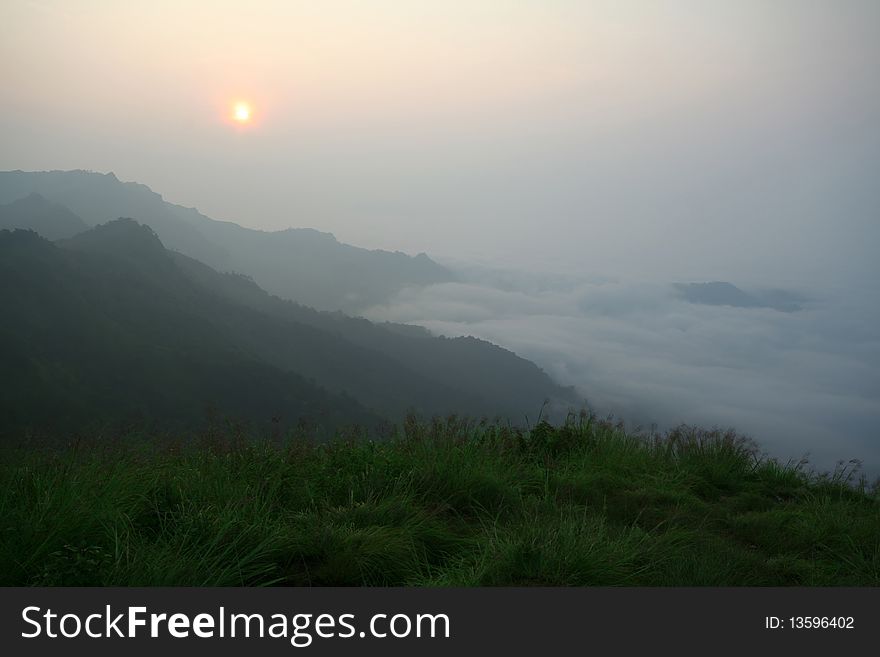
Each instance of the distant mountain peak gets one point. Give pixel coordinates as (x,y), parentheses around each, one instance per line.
(123,237)
(722,293)
(130,228)
(37,213)
(34,199)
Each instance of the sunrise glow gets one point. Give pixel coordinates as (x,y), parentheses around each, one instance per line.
(242,112)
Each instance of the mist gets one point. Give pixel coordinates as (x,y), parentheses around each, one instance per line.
(445,294)
(802,384)
(688,139)
(570,160)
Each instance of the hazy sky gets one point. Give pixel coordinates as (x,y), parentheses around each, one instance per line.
(695,139)
(624,144)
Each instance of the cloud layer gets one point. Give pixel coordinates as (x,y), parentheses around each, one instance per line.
(801,383)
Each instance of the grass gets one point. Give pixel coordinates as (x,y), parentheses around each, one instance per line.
(446,503)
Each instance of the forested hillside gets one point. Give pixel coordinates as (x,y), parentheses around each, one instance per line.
(109,326)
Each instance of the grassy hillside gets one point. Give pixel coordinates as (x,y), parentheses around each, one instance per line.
(448,503)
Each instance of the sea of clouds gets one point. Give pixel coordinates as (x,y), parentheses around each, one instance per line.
(802,384)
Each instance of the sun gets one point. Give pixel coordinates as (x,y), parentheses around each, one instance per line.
(242,112)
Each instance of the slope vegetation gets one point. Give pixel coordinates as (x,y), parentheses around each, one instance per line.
(445,504)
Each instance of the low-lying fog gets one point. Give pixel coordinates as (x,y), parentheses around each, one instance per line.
(802,380)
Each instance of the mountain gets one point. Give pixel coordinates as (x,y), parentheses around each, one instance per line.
(90,340)
(720,293)
(109,324)
(493,379)
(34,212)
(304,265)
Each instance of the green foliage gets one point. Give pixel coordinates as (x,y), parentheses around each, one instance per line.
(446,503)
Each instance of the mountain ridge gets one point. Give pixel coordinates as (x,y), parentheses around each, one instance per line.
(322,273)
(113,300)
(36,212)
(722,293)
